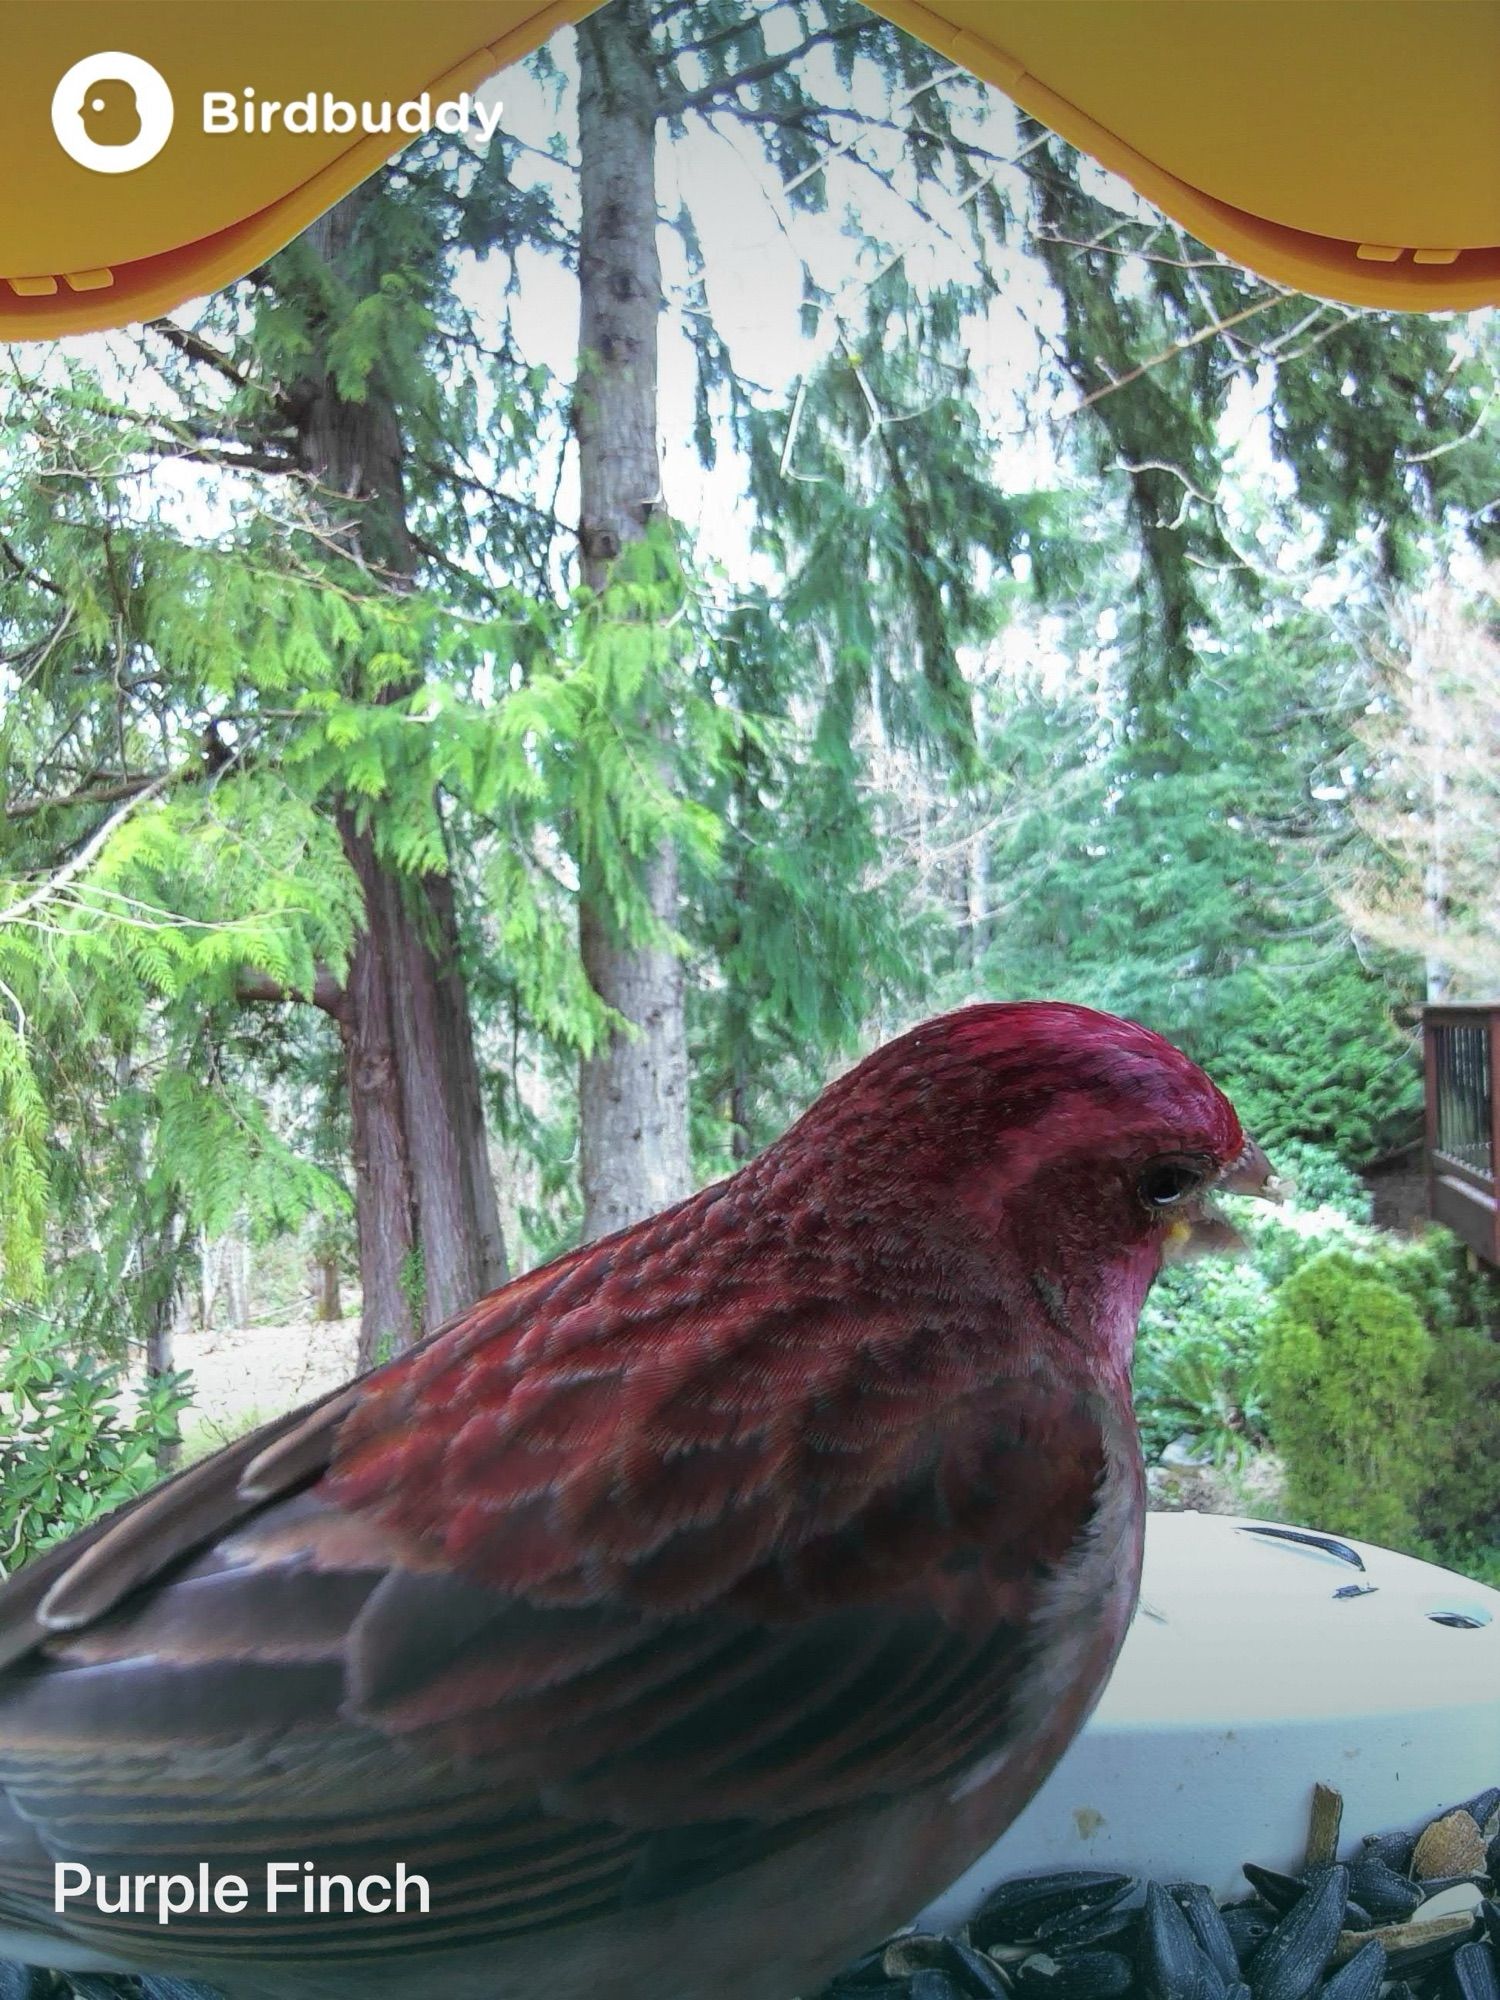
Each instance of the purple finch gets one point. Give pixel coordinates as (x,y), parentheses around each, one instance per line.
(687,1613)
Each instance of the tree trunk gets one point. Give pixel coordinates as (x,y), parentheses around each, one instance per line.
(633,1091)
(235,1266)
(323,1284)
(159,1362)
(428,1219)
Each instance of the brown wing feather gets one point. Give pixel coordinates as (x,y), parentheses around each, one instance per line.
(309,1684)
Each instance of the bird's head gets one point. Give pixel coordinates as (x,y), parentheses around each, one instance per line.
(1049,1139)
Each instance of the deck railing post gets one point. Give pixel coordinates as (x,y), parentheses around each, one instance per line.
(1430,1032)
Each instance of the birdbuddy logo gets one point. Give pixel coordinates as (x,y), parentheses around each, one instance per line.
(112,112)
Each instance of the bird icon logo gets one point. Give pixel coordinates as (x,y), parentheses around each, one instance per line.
(112,112)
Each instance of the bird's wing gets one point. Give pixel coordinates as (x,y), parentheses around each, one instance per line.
(658,1558)
(316,1685)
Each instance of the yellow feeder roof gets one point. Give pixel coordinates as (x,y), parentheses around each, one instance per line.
(1349,148)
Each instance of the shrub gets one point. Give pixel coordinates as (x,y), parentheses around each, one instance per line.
(1459,1508)
(1198,1358)
(67,1453)
(1345,1363)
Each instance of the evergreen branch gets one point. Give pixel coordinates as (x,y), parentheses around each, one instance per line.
(85,857)
(23,568)
(328,994)
(695,100)
(196,348)
(93,795)
(258,459)
(1130,250)
(738,26)
(1178,347)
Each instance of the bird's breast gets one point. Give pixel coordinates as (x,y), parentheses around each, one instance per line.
(1081,1613)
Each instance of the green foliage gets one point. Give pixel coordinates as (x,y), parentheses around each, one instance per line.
(1188,882)
(1317,1175)
(24,1183)
(1316,1060)
(1345,1361)
(68,1451)
(1459,1507)
(1198,1366)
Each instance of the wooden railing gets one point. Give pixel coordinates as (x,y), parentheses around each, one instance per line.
(1462,1048)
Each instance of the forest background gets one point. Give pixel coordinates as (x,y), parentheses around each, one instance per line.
(504,701)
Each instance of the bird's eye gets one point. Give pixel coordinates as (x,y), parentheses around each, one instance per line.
(1166,1183)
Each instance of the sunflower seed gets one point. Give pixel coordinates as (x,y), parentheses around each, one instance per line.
(1280,1891)
(1014,1910)
(930,1984)
(1388,1897)
(1482,1808)
(1170,1960)
(1248,1929)
(1360,1977)
(1088,1975)
(1490,1912)
(1207,1925)
(1291,1961)
(1078,1927)
(1394,1849)
(1475,1972)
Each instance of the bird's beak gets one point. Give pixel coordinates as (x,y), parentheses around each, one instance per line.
(1202,1230)
(1253,1174)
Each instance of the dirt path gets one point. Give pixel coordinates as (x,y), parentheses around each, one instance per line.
(243,1375)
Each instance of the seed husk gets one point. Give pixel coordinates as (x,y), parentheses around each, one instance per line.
(1206,1922)
(866,1974)
(1291,1961)
(1323,1827)
(1490,1913)
(1449,1846)
(1475,1973)
(1484,1807)
(1409,1945)
(978,1971)
(1360,1977)
(1459,1898)
(914,1951)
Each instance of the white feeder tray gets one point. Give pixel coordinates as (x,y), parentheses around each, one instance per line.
(1258,1665)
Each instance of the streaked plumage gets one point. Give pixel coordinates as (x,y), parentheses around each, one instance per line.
(689,1611)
